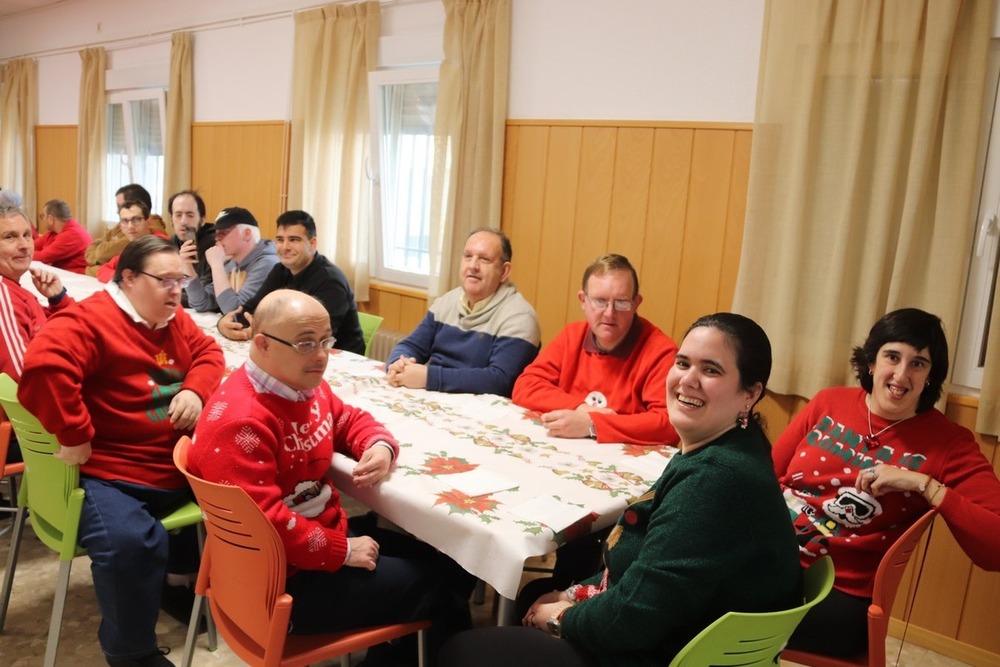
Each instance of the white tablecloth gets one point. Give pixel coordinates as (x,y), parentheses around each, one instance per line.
(477,477)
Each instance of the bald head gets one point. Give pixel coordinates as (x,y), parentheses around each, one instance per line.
(283,319)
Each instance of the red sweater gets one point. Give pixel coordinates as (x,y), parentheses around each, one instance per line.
(64,250)
(818,458)
(105,272)
(279,451)
(114,379)
(563,375)
(21,317)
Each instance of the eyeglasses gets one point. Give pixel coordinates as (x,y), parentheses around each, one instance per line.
(305,346)
(132,221)
(621,305)
(170,283)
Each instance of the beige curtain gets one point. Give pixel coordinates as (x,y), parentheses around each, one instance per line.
(180,113)
(335,48)
(91,142)
(861,175)
(469,131)
(18,117)
(988,415)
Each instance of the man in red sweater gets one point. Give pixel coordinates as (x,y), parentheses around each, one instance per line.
(132,372)
(604,378)
(66,241)
(272,428)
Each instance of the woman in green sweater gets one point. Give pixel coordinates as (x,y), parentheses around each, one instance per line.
(711,536)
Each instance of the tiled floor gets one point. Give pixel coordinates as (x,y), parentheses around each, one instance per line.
(22,643)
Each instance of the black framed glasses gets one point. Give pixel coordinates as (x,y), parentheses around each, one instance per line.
(305,346)
(170,283)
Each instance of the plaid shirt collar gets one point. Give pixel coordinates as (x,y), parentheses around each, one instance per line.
(264,383)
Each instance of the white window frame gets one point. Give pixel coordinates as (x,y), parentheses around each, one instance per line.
(967,370)
(378,80)
(123,97)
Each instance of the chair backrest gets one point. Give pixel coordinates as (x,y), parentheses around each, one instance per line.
(243,566)
(755,638)
(50,488)
(369,325)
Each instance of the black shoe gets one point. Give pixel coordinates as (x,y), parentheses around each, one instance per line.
(157,659)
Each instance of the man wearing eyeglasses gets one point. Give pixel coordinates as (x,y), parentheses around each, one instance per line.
(272,428)
(134,222)
(604,378)
(132,372)
(239,262)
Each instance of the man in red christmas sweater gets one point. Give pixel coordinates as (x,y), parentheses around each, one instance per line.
(272,428)
(131,371)
(604,378)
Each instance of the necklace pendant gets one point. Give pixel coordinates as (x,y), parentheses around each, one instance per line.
(871,441)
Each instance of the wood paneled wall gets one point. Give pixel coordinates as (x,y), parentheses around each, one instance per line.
(55,167)
(242,164)
(669,196)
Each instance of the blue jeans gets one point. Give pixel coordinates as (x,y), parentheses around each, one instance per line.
(128,548)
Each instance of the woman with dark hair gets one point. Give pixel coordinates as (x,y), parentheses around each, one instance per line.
(711,536)
(859,465)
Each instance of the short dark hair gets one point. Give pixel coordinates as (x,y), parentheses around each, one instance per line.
(751,346)
(914,327)
(606,264)
(58,209)
(137,252)
(506,252)
(129,203)
(296,217)
(135,191)
(199,202)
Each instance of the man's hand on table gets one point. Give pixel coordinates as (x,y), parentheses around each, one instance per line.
(406,372)
(233,330)
(73,456)
(184,410)
(364,552)
(571,423)
(373,466)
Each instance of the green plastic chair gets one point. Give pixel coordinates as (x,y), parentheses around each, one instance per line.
(369,325)
(738,639)
(50,491)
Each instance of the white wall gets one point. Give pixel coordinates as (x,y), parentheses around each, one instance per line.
(573,59)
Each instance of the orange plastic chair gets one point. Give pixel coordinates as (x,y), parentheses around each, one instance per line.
(887,578)
(243,576)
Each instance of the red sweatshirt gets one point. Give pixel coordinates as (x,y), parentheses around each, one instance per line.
(21,317)
(64,250)
(635,385)
(94,375)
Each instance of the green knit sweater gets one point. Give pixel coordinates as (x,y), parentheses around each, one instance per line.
(711,536)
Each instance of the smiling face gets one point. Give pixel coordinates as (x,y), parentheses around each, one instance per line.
(899,375)
(483,269)
(154,302)
(16,246)
(295,249)
(705,393)
(185,217)
(609,325)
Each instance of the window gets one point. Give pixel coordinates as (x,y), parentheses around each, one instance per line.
(135,135)
(403,103)
(973,331)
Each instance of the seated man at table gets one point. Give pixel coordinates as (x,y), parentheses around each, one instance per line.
(304,269)
(239,262)
(272,428)
(20,311)
(131,371)
(603,378)
(65,240)
(478,337)
(113,241)
(193,236)
(134,222)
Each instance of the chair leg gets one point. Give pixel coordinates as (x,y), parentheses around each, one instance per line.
(58,605)
(421,648)
(192,633)
(345,660)
(8,578)
(213,635)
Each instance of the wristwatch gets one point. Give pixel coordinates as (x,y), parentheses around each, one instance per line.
(554,623)
(592,433)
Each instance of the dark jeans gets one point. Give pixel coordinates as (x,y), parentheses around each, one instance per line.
(837,626)
(128,549)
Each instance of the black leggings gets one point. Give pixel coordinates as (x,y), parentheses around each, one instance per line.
(511,645)
(837,626)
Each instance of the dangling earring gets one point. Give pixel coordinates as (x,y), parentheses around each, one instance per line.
(743,419)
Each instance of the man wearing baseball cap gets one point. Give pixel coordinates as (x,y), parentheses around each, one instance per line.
(239,262)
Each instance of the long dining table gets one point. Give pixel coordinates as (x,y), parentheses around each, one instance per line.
(477,476)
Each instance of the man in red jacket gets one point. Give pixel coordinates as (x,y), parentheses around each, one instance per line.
(132,372)
(66,241)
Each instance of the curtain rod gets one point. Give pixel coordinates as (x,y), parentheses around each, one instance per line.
(162,35)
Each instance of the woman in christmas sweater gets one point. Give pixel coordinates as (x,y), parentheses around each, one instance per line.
(684,553)
(859,465)
(119,377)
